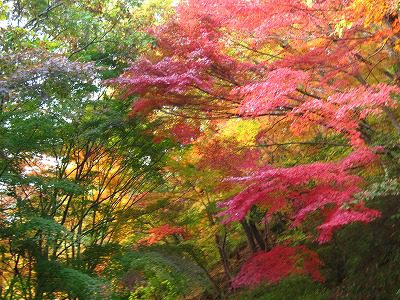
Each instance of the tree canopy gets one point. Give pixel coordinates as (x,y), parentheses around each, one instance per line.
(197,149)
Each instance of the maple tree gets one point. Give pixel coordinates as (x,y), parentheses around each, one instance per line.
(325,66)
(156,234)
(277,263)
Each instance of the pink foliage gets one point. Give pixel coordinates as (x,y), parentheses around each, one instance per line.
(306,189)
(258,18)
(338,218)
(273,93)
(343,111)
(277,264)
(167,75)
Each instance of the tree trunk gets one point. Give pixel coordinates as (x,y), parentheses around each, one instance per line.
(257,235)
(221,249)
(249,235)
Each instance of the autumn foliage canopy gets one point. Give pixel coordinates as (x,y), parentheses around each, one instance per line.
(199,149)
(323,67)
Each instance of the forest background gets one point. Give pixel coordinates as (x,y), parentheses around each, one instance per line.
(201,149)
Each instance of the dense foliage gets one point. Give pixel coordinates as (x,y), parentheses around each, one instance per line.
(199,149)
